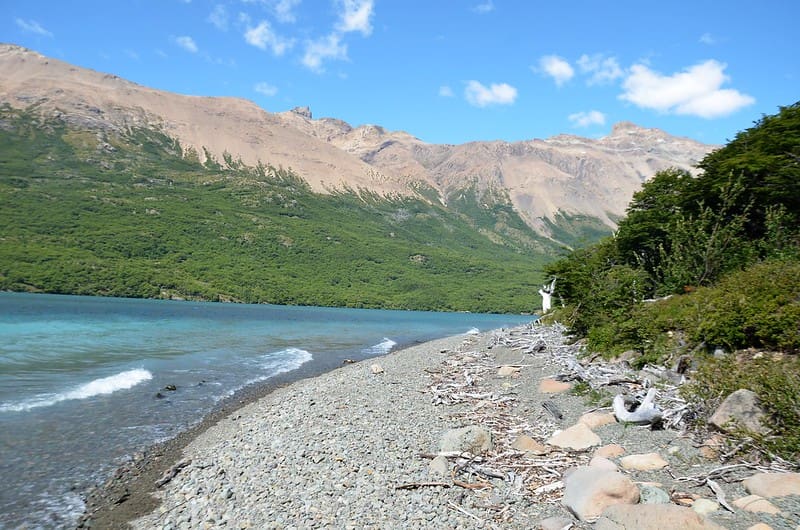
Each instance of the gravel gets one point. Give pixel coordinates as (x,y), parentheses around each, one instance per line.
(330,452)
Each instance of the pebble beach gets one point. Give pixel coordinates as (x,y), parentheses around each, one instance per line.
(369,445)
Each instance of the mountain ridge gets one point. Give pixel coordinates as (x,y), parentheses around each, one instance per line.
(545,180)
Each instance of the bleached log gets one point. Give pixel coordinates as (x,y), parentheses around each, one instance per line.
(646,413)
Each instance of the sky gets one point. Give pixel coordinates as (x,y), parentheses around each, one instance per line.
(446,71)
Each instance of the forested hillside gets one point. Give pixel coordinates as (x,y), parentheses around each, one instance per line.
(704,265)
(93,211)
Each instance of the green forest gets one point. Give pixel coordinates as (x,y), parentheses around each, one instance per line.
(704,265)
(131,214)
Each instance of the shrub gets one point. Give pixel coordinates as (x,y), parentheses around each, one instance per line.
(758,307)
(774,378)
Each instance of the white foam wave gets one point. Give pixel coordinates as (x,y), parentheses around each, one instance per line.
(97,387)
(473,331)
(276,363)
(286,360)
(382,348)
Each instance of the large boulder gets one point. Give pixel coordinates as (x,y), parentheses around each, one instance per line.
(643,462)
(578,437)
(773,484)
(756,503)
(740,410)
(590,490)
(529,445)
(596,419)
(552,386)
(472,439)
(653,517)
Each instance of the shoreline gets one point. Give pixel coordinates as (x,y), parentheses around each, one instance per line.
(370,445)
(129,492)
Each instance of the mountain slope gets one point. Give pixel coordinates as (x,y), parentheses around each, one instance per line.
(94,100)
(564,187)
(127,215)
(545,179)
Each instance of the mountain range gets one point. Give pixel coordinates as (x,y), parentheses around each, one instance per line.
(565,187)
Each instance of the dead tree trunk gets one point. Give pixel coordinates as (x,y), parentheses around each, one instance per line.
(547,295)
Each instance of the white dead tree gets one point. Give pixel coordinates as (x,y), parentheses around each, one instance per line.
(547,295)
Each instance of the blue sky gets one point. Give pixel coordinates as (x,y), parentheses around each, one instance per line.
(446,71)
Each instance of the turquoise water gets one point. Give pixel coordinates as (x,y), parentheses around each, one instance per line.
(83,380)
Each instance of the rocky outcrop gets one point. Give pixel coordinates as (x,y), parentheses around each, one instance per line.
(740,410)
(577,437)
(588,491)
(643,462)
(472,439)
(653,517)
(773,484)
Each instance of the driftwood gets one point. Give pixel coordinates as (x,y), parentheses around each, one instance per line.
(462,510)
(645,414)
(416,485)
(719,494)
(460,379)
(553,344)
(170,473)
(736,472)
(554,411)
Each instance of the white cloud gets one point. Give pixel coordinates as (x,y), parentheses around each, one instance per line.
(696,91)
(32,26)
(603,70)
(330,47)
(445,91)
(707,38)
(485,7)
(284,10)
(557,68)
(585,119)
(187,43)
(219,17)
(266,89)
(479,95)
(355,16)
(263,37)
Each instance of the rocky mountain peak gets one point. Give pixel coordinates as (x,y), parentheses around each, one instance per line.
(304,112)
(625,127)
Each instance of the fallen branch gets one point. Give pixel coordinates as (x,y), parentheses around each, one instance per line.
(549,488)
(554,411)
(416,485)
(462,510)
(720,495)
(472,485)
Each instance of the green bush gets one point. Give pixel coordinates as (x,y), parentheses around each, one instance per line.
(758,307)
(775,379)
(755,308)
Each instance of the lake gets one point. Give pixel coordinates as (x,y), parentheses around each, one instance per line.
(85,382)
